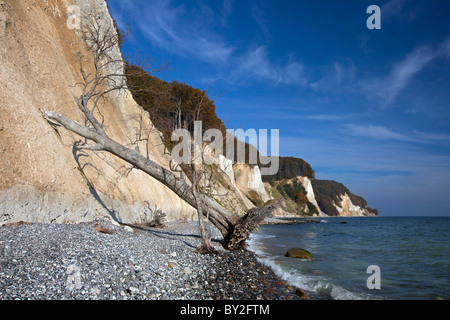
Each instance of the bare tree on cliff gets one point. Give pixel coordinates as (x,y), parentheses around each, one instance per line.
(195,167)
(202,164)
(109,76)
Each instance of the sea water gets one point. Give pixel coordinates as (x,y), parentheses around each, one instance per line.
(412,255)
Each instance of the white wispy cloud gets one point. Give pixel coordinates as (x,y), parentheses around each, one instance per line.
(342,76)
(383,133)
(436,137)
(175,29)
(226,10)
(339,75)
(191,31)
(259,16)
(378,133)
(255,64)
(386,89)
(293,114)
(391,8)
(445,48)
(332,117)
(399,10)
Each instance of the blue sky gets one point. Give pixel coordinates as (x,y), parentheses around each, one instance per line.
(368,108)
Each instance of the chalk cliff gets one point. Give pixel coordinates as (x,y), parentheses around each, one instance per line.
(306,182)
(249,182)
(43,177)
(335,199)
(346,208)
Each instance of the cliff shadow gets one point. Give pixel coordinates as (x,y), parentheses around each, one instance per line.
(190,238)
(166,233)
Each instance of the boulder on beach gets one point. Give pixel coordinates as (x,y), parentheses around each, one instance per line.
(302,294)
(299,254)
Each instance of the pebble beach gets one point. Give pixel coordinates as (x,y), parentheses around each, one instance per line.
(105,261)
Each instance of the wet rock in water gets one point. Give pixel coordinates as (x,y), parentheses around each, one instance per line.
(302,294)
(299,254)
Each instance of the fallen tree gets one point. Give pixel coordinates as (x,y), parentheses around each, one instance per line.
(109,76)
(234,231)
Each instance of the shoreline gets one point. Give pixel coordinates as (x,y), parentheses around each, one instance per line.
(76,262)
(306,219)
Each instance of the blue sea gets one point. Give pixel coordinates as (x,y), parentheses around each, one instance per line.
(411,254)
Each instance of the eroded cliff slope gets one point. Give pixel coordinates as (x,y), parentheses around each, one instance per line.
(43,176)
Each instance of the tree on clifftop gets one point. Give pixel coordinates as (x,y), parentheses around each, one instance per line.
(108,75)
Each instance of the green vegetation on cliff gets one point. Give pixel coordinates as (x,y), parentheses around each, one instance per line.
(294,195)
(328,192)
(290,168)
(171,105)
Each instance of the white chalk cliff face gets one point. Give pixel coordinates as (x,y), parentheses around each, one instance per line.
(347,209)
(249,183)
(43,178)
(226,165)
(291,207)
(255,183)
(310,193)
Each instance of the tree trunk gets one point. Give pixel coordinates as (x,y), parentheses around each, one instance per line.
(246,224)
(233,232)
(205,246)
